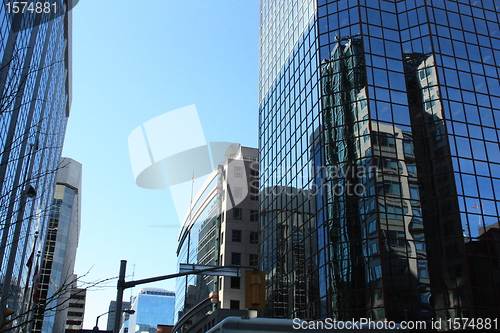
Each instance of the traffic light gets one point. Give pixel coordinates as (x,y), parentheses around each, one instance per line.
(6,313)
(255,290)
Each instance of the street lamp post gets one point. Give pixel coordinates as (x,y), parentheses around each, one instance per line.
(194,269)
(119,294)
(96,327)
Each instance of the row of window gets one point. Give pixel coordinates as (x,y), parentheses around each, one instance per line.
(236,236)
(238,214)
(238,171)
(253,259)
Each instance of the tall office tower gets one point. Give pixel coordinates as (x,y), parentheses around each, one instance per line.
(153,307)
(112,314)
(58,258)
(35,97)
(388,112)
(76,308)
(221,229)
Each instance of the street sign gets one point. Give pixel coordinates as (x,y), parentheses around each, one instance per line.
(210,270)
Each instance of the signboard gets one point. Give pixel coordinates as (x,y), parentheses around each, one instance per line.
(210,270)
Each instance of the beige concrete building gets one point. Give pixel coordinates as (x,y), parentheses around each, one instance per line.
(220,229)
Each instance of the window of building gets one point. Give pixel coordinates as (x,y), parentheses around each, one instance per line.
(412,168)
(254,173)
(234,304)
(372,226)
(237,213)
(389,188)
(407,147)
(238,172)
(254,192)
(222,237)
(414,194)
(384,139)
(422,270)
(237,192)
(254,237)
(235,282)
(393,211)
(74,305)
(254,215)
(235,258)
(236,236)
(253,259)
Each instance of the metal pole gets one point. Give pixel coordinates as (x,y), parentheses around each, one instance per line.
(96,327)
(119,296)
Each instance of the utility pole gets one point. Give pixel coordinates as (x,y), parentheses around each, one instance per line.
(233,270)
(119,296)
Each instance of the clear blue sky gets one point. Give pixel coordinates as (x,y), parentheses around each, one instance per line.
(133,61)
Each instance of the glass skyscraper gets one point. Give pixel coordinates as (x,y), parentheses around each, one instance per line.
(384,119)
(153,307)
(56,276)
(35,98)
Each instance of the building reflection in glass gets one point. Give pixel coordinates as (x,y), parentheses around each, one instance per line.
(400,125)
(199,245)
(378,258)
(289,242)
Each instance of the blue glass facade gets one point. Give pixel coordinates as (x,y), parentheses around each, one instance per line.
(199,244)
(152,307)
(56,275)
(388,111)
(35,95)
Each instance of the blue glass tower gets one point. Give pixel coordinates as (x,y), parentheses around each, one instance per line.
(388,112)
(152,307)
(35,98)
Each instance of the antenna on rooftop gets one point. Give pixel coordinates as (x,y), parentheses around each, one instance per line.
(133,278)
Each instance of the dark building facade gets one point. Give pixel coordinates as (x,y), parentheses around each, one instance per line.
(388,113)
(35,97)
(112,314)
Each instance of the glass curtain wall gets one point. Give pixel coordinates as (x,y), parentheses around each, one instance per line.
(35,96)
(387,112)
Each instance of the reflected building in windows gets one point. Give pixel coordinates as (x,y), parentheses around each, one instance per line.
(388,112)
(220,229)
(35,99)
(289,243)
(56,279)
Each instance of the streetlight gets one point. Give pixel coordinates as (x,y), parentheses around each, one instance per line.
(184,269)
(96,327)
